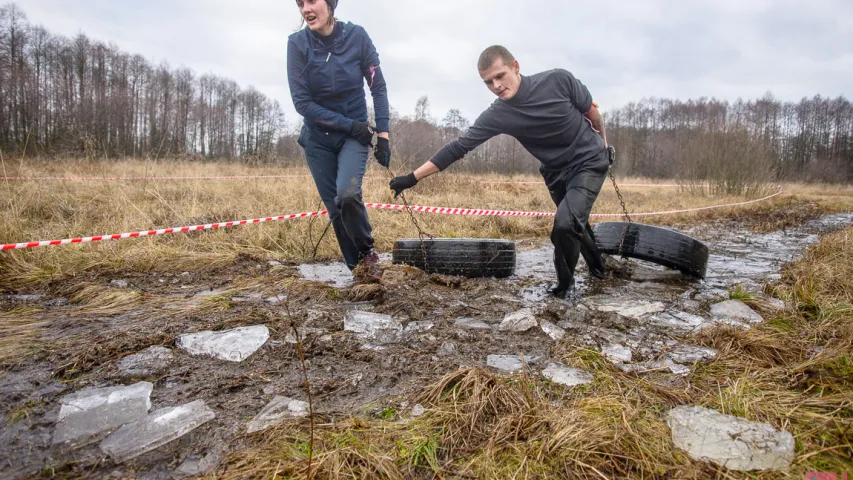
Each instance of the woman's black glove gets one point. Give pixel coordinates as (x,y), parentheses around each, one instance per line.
(362,132)
(402,183)
(382,152)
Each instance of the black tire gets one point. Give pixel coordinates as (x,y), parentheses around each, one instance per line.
(654,244)
(468,257)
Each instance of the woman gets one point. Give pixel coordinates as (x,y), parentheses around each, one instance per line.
(327,65)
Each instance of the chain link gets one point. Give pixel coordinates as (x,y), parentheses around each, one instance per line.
(421,232)
(624,208)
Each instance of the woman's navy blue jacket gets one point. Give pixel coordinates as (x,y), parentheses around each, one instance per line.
(327,83)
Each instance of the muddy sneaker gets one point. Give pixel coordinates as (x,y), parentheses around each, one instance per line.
(367,270)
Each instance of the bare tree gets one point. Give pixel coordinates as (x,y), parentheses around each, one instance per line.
(73,96)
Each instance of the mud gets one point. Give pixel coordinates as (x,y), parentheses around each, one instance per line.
(82,343)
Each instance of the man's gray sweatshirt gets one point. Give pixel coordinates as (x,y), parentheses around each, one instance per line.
(546,115)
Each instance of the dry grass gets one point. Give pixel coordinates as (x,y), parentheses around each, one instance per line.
(795,372)
(479,425)
(19,331)
(56,209)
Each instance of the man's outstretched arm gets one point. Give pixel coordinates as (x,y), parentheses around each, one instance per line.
(447,155)
(426,170)
(597,122)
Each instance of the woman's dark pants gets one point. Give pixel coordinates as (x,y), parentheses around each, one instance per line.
(338,174)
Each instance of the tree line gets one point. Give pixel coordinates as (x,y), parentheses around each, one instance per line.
(64,96)
(75,96)
(810,140)
(734,145)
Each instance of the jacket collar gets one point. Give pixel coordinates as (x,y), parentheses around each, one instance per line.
(314,39)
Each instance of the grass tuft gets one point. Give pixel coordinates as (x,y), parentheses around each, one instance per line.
(738,293)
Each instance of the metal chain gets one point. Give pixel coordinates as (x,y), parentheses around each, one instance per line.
(421,232)
(624,212)
(619,194)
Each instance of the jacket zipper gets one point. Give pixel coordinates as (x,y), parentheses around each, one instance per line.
(332,74)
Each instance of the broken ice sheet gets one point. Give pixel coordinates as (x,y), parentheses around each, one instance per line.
(157,429)
(733,442)
(373,326)
(276,412)
(559,373)
(520,321)
(90,412)
(233,345)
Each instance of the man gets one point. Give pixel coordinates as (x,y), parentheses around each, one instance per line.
(553,116)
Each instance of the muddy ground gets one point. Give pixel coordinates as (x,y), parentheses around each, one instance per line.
(89,323)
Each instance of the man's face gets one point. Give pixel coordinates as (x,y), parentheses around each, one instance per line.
(502,79)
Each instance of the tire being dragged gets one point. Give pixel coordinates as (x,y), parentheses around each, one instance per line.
(658,245)
(468,257)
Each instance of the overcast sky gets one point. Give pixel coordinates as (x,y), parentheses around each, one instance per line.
(623,50)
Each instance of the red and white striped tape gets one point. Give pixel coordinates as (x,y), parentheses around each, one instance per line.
(96,179)
(459,211)
(643,185)
(696,209)
(381,206)
(274,177)
(149,233)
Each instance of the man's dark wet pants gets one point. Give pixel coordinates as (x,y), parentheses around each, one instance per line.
(574,191)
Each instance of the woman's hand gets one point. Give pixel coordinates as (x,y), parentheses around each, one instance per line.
(362,132)
(382,152)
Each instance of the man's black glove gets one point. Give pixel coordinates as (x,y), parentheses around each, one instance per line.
(362,132)
(402,183)
(382,152)
(611,154)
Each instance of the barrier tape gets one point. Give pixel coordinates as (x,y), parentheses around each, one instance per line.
(274,177)
(164,231)
(646,185)
(695,209)
(95,179)
(380,206)
(459,211)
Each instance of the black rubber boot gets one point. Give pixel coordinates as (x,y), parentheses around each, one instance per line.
(565,277)
(591,254)
(561,291)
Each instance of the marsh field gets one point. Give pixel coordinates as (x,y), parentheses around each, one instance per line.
(426,402)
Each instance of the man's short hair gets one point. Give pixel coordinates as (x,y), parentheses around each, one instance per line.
(489,55)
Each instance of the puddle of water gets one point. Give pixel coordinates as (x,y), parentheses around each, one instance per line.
(736,257)
(535,263)
(744,257)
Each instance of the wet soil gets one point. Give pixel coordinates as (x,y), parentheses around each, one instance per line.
(81,341)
